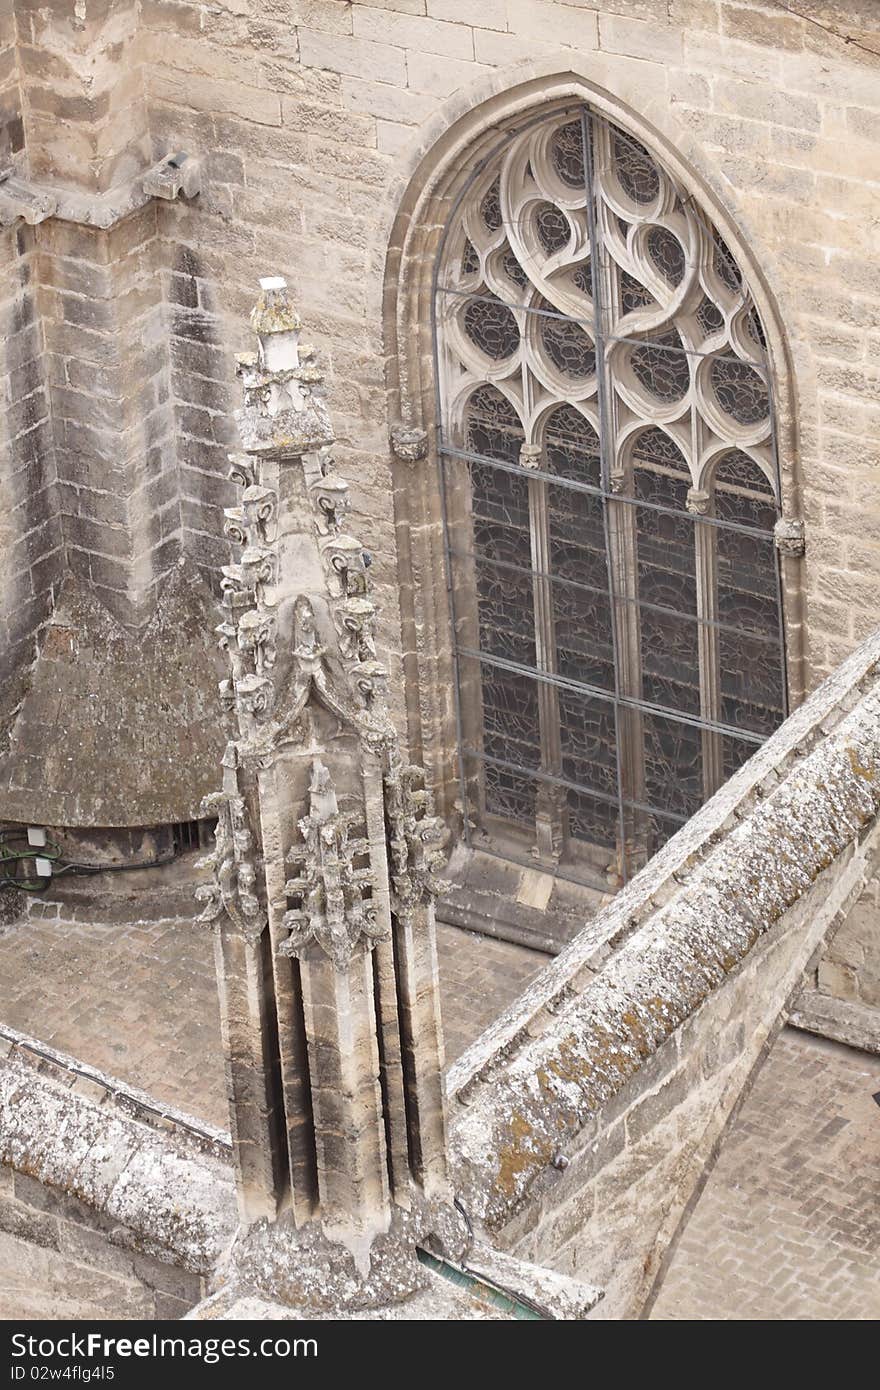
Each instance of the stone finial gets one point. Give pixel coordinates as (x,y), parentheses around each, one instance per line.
(283,414)
(276,323)
(789,536)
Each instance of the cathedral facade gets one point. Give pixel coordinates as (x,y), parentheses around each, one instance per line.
(595,290)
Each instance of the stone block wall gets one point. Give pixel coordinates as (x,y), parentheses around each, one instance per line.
(60,1259)
(316,121)
(107,362)
(850,967)
(310,117)
(841,994)
(31,555)
(82,91)
(100,299)
(198,344)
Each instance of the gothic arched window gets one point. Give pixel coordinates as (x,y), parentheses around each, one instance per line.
(611,490)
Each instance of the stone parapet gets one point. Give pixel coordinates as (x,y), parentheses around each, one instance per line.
(164,1191)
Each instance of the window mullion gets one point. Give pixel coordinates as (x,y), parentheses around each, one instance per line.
(551,802)
(706,560)
(619,535)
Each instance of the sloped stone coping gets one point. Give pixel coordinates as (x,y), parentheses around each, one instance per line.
(165,1182)
(578,964)
(135,735)
(688,921)
(109,1090)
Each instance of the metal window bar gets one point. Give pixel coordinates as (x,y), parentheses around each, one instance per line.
(451,451)
(595,692)
(560,581)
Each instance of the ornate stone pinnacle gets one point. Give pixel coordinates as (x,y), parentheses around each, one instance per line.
(334,895)
(324,870)
(283,413)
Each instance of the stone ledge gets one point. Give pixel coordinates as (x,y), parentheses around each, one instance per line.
(107,1090)
(32,202)
(841,1020)
(500,898)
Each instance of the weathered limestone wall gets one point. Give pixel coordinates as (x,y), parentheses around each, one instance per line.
(83,94)
(315,121)
(107,360)
(60,1259)
(111,1205)
(588,1112)
(30,531)
(841,996)
(94,491)
(100,300)
(850,967)
(310,117)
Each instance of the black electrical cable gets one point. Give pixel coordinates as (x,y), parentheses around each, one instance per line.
(72,866)
(60,866)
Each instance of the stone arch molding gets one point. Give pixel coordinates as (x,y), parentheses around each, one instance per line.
(452,144)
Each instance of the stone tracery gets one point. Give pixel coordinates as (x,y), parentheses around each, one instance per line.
(592,325)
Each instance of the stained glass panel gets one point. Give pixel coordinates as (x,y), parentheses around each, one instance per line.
(571,447)
(491,327)
(673,764)
(509,795)
(661,366)
(510,718)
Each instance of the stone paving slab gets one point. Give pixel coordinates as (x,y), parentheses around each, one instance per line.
(788,1225)
(139,1001)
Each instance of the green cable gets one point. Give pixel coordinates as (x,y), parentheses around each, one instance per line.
(8,856)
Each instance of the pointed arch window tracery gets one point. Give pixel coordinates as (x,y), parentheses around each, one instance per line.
(611,490)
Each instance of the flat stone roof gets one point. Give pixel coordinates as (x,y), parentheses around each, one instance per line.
(788,1224)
